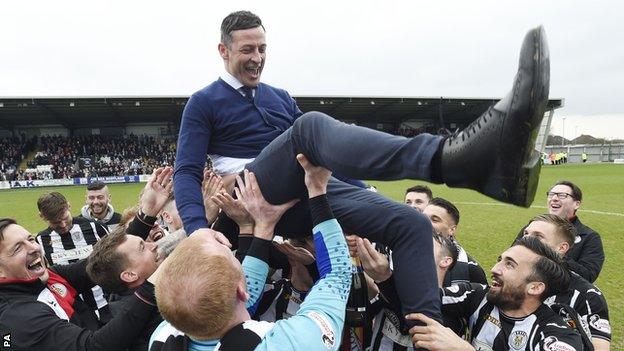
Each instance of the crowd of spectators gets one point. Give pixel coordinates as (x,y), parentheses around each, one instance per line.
(12,152)
(85,156)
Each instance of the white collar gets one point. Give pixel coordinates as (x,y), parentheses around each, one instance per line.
(231,80)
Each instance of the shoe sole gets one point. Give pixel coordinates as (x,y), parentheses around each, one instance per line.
(527,175)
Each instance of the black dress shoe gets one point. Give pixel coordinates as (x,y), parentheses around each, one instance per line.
(495,154)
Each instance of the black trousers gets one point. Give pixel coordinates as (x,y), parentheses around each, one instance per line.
(359,153)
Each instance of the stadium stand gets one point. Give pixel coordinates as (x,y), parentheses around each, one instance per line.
(59,157)
(12,152)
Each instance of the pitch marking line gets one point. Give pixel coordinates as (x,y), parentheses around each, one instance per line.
(544,207)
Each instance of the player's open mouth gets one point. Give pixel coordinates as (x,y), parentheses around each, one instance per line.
(36,266)
(496,283)
(254,72)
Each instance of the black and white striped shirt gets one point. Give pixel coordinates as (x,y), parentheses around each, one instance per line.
(387,335)
(491,329)
(590,304)
(77,244)
(280,300)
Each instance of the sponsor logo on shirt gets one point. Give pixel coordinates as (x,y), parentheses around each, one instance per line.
(59,289)
(599,324)
(72,254)
(327,332)
(551,343)
(493,320)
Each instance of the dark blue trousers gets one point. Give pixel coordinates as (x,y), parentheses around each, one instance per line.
(359,153)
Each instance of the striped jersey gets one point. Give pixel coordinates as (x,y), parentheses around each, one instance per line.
(491,329)
(590,304)
(280,300)
(77,244)
(387,335)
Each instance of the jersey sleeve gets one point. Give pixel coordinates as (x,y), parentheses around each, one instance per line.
(597,318)
(256,270)
(556,337)
(461,300)
(322,314)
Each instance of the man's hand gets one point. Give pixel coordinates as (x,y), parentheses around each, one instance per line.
(211,186)
(156,191)
(235,209)
(352,241)
(375,264)
(295,254)
(263,213)
(316,177)
(434,336)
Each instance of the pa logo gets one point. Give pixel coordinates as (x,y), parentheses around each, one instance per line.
(6,341)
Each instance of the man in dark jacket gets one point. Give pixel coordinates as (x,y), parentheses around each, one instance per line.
(40,308)
(587,256)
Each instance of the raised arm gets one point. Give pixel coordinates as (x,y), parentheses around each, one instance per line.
(265,216)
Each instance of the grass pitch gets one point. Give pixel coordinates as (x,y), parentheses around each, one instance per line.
(485,230)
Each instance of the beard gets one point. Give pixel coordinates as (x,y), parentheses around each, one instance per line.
(98,209)
(507,298)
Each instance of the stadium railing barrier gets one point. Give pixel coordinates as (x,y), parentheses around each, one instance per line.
(21,184)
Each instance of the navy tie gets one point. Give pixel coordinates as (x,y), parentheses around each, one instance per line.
(248,92)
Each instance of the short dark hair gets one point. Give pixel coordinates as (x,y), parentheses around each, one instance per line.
(449,245)
(549,269)
(97,185)
(564,228)
(448,206)
(4,223)
(420,189)
(105,263)
(238,20)
(52,205)
(577,194)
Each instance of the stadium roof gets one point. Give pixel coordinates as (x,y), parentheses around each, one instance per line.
(76,112)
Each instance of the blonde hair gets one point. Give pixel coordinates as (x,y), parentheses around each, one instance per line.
(196,290)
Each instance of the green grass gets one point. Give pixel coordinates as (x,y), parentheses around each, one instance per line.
(486,228)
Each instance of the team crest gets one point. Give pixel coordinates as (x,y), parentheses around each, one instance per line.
(518,339)
(77,236)
(59,288)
